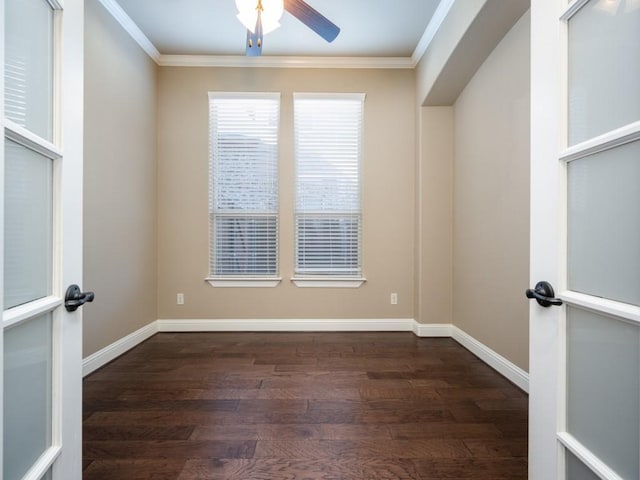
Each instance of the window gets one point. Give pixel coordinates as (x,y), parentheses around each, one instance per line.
(328,217)
(243,188)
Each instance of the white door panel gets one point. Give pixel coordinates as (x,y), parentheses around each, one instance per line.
(41,237)
(585,240)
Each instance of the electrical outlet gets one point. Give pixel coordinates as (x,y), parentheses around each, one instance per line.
(180,299)
(394,299)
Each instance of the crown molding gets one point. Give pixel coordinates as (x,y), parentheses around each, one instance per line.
(116,11)
(432,28)
(266,61)
(238,61)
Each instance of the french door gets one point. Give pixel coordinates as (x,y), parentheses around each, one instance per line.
(41,237)
(585,239)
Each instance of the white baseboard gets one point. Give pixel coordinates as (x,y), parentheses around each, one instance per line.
(432,329)
(496,361)
(503,366)
(288,325)
(117,348)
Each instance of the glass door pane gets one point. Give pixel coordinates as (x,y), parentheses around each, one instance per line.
(27,394)
(576,470)
(28,225)
(603,388)
(604,224)
(603,250)
(604,68)
(28,66)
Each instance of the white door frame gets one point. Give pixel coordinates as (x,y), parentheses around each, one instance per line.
(546,221)
(69,466)
(2,239)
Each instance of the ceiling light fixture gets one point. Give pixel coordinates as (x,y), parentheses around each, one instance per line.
(259,20)
(263,16)
(268,12)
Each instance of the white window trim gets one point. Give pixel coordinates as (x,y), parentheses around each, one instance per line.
(243,282)
(328,282)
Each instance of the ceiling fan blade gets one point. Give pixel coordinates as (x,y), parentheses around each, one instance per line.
(312,19)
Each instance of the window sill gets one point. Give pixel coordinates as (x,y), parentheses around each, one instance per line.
(328,282)
(246,282)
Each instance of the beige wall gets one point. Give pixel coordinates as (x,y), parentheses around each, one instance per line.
(445,195)
(119,182)
(435,216)
(491,200)
(388,195)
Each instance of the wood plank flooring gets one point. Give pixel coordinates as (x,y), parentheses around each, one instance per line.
(279,406)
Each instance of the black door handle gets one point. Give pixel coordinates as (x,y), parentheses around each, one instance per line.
(544,294)
(75,298)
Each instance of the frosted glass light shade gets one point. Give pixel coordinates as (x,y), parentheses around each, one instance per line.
(271,14)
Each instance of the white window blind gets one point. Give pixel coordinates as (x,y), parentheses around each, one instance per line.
(243,186)
(328,218)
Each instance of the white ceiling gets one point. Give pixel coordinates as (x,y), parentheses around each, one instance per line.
(369,28)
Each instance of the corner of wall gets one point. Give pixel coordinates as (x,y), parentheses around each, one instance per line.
(435,214)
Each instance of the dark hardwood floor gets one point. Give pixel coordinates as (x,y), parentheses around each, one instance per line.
(279,406)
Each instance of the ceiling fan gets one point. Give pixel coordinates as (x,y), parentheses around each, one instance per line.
(262,16)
